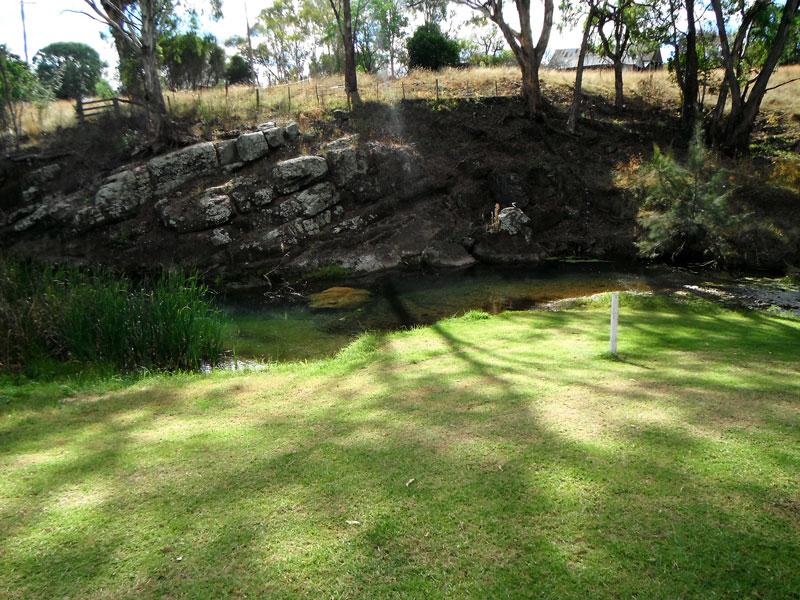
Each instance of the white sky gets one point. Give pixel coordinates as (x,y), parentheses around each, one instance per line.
(50,21)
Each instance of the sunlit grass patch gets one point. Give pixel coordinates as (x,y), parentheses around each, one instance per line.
(498,456)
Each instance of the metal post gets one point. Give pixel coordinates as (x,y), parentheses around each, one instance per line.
(258,100)
(437,89)
(403,88)
(495,88)
(289,95)
(614,322)
(377,90)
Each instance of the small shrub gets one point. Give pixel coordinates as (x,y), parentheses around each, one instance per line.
(429,48)
(684,209)
(167,323)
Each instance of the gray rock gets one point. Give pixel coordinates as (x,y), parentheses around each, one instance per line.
(43,174)
(228,169)
(267,125)
(274,136)
(119,197)
(513,220)
(263,196)
(447,254)
(295,173)
(227,153)
(53,210)
(292,130)
(344,162)
(252,146)
(219,237)
(171,171)
(195,213)
(309,202)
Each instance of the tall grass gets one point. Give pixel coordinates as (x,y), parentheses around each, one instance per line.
(166,323)
(287,100)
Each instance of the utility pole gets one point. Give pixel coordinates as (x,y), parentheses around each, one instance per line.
(250,46)
(24,29)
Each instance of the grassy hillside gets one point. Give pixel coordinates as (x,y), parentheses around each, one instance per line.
(657,88)
(503,456)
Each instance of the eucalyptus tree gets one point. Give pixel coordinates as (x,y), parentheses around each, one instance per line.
(572,13)
(746,72)
(344,20)
(136,26)
(528,54)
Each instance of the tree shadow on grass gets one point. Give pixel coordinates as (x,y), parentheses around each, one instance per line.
(252,486)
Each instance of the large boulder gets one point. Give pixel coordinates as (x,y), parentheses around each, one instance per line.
(345,163)
(376,170)
(447,255)
(205,211)
(252,146)
(295,173)
(274,136)
(513,220)
(52,210)
(292,130)
(227,153)
(119,197)
(171,171)
(309,202)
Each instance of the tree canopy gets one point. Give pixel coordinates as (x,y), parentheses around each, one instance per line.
(70,69)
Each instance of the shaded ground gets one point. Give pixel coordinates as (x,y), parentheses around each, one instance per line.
(500,456)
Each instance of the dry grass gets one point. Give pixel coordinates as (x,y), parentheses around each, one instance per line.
(239,103)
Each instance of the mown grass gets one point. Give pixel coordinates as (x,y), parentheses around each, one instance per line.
(501,457)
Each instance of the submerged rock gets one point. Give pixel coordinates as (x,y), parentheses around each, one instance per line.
(339,297)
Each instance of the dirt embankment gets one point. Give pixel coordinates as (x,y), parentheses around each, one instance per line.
(434,201)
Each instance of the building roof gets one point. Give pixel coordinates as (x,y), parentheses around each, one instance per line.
(567,58)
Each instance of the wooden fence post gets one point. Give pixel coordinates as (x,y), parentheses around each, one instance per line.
(115,102)
(258,100)
(437,89)
(496,93)
(79,109)
(316,91)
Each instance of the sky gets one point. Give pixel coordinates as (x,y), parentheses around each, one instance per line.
(51,21)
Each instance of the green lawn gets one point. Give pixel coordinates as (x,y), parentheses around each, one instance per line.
(500,457)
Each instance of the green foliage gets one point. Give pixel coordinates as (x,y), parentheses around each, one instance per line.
(191,60)
(685,212)
(238,70)
(66,314)
(17,86)
(103,89)
(70,69)
(429,48)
